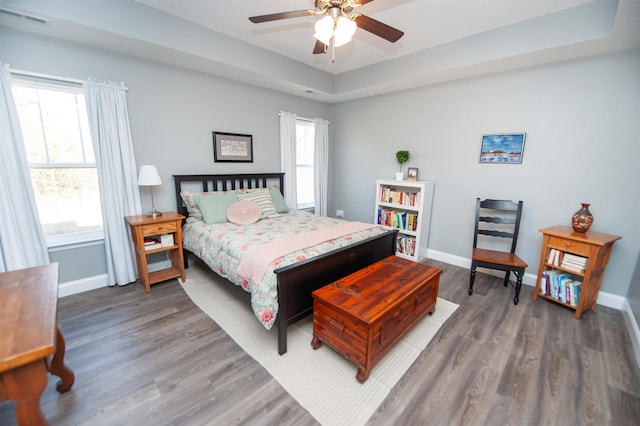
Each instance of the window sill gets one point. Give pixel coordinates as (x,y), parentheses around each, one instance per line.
(67,241)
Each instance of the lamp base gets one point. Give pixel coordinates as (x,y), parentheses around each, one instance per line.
(154,213)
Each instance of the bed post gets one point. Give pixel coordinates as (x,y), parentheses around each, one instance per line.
(282,334)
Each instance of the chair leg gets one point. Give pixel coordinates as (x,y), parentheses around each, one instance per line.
(519,275)
(506,278)
(472,278)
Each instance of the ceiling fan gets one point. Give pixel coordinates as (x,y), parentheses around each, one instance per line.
(338,23)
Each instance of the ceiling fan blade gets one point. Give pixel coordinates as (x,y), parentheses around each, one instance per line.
(281,15)
(361,2)
(378,28)
(320,47)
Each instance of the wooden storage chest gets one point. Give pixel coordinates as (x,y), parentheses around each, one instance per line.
(364,314)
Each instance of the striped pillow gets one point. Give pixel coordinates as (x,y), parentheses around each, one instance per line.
(263,199)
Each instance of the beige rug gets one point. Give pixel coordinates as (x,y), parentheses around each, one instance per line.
(322,381)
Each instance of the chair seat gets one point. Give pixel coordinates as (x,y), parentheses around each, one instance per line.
(499,257)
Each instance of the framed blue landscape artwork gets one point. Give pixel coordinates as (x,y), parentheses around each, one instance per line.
(502,148)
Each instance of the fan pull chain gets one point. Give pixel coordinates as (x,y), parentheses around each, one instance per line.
(333,50)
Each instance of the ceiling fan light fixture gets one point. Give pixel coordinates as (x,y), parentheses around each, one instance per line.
(324,30)
(345,29)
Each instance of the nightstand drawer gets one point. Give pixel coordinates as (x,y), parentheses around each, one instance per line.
(570,246)
(159,228)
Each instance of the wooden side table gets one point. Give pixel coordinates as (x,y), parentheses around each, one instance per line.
(170,223)
(594,247)
(30,335)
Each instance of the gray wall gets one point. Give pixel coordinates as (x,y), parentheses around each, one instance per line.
(79,261)
(582,120)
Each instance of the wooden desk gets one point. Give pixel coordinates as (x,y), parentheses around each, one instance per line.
(29,334)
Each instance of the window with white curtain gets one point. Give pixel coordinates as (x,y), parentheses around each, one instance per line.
(305,136)
(55,129)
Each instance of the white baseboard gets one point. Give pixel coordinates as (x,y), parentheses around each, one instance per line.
(632,326)
(82,285)
(98,281)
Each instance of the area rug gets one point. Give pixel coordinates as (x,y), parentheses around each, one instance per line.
(322,382)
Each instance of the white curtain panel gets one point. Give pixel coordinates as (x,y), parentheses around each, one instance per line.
(22,242)
(321,169)
(117,175)
(288,157)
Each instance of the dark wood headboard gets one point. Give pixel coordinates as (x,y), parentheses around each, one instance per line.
(227,182)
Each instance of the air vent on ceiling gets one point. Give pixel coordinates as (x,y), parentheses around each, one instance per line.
(22,16)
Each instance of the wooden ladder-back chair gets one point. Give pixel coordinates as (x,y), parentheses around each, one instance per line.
(498,218)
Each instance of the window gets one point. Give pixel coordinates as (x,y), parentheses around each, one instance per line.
(55,129)
(305,136)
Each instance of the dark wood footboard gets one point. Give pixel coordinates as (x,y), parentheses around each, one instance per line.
(296,282)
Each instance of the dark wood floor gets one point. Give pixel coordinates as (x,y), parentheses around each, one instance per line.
(157,359)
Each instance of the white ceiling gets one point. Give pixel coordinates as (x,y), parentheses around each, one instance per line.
(444,39)
(426,23)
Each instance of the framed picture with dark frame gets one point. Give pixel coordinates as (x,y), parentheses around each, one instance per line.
(232,147)
(412,174)
(503,148)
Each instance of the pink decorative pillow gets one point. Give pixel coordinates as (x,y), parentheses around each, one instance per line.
(244,212)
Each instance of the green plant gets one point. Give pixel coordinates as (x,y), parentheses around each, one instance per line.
(402,157)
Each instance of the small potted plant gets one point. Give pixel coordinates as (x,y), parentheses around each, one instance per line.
(401,157)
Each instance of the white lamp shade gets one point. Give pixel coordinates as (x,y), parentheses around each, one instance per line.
(324,30)
(345,29)
(149,176)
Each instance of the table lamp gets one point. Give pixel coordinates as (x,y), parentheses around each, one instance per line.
(149,176)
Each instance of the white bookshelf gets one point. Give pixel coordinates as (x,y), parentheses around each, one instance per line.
(406,206)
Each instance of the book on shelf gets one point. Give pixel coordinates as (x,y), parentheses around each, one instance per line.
(560,286)
(389,194)
(152,243)
(554,257)
(406,245)
(575,258)
(573,267)
(398,219)
(574,262)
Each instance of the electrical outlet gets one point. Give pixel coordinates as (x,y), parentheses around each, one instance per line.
(339,213)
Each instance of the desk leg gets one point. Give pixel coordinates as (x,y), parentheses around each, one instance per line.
(25,385)
(58,367)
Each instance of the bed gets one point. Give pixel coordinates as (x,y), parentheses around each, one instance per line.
(292,279)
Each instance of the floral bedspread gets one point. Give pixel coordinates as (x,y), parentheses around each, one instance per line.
(222,245)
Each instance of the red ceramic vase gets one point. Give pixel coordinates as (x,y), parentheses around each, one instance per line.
(582,219)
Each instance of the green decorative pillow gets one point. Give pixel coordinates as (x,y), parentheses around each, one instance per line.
(278,200)
(214,206)
(261,198)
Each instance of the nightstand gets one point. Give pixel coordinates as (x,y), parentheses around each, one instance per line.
(555,274)
(169,224)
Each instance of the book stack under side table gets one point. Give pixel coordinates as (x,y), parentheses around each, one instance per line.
(594,247)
